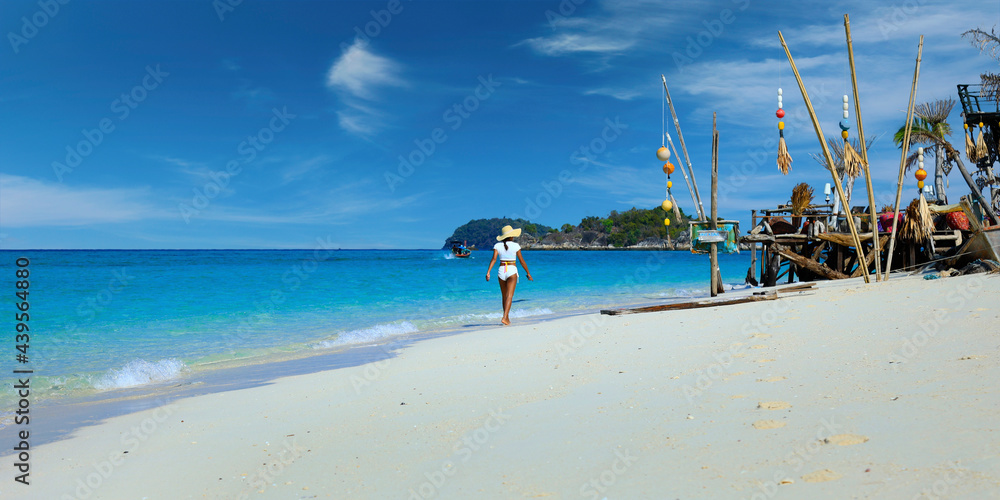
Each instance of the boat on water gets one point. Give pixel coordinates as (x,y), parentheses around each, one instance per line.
(458,249)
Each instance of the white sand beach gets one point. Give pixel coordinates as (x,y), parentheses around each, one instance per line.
(849,390)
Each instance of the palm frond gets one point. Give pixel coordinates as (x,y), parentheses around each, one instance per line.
(987,42)
(935,112)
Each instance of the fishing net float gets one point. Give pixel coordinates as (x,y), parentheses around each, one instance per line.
(663,154)
(784,159)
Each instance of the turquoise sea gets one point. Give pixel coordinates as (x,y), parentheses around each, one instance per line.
(106,320)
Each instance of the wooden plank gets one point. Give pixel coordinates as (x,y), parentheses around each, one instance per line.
(699,304)
(691,305)
(843,239)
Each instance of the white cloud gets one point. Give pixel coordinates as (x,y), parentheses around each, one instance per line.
(620,94)
(567,43)
(358,71)
(355,76)
(28,202)
(615,28)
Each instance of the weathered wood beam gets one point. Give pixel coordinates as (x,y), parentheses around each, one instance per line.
(807,263)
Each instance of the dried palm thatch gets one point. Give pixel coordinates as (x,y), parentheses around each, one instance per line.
(919,224)
(802,197)
(991,86)
(837,151)
(784,159)
(970,147)
(852,161)
(981,151)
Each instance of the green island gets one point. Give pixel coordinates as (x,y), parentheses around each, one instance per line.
(636,228)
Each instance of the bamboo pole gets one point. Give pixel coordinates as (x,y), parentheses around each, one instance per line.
(694,200)
(680,137)
(902,160)
(864,151)
(753,250)
(826,153)
(713,223)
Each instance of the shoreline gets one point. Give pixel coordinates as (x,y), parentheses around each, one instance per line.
(78,411)
(821,394)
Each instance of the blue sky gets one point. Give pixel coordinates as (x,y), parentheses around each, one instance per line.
(193,124)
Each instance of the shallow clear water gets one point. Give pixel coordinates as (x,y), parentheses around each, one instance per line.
(103,320)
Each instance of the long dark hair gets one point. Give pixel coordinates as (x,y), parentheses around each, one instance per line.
(505,243)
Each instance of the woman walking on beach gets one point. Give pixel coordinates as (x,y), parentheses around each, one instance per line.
(507,250)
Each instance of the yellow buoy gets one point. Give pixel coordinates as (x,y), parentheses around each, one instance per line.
(666,222)
(666,205)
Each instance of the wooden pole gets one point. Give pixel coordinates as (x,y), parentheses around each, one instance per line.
(753,250)
(713,223)
(697,208)
(902,160)
(680,137)
(864,151)
(826,153)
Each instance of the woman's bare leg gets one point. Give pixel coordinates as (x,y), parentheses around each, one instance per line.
(507,290)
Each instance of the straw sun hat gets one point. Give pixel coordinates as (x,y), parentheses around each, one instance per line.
(508,232)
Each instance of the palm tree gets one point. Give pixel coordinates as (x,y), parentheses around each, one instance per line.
(930,127)
(927,130)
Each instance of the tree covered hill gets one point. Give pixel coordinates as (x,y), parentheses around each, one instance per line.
(618,229)
(482,233)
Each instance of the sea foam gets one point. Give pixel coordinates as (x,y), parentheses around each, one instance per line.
(139,372)
(368,335)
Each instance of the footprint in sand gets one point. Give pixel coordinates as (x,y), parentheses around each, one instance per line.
(764,360)
(768,424)
(761,336)
(771,379)
(846,439)
(773,405)
(740,355)
(821,476)
(759,346)
(737,374)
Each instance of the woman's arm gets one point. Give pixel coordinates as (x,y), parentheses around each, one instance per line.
(525,266)
(492,261)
